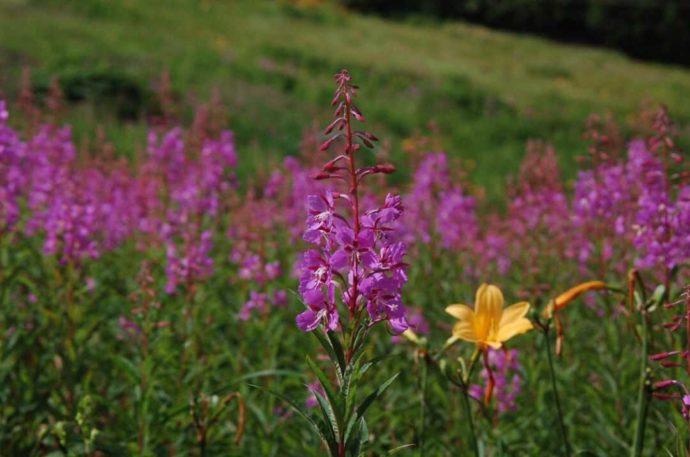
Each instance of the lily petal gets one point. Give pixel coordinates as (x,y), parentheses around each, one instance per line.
(464,331)
(489,302)
(461,312)
(513,328)
(494,344)
(514,312)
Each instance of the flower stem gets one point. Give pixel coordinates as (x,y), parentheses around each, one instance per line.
(642,393)
(470,420)
(354,195)
(552,373)
(422,402)
(466,400)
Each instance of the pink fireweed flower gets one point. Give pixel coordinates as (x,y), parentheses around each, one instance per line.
(677,358)
(355,255)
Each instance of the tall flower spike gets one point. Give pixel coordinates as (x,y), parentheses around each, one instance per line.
(357,255)
(680,358)
(351,278)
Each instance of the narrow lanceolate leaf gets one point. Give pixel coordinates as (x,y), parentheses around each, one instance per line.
(365,367)
(317,425)
(362,408)
(399,448)
(331,429)
(127,367)
(338,348)
(356,446)
(336,403)
(351,374)
(337,359)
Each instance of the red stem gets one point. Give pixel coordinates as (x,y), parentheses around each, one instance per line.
(349,151)
(687,329)
(490,386)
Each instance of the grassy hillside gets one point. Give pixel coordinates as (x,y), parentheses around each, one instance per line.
(487,92)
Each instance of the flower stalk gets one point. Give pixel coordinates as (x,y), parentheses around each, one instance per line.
(566,450)
(638,302)
(356,263)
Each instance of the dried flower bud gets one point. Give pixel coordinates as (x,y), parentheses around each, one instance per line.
(327,144)
(562,300)
(322,175)
(384,168)
(665,383)
(663,355)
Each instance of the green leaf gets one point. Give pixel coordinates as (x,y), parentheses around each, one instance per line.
(657,298)
(128,367)
(361,409)
(338,360)
(399,448)
(332,431)
(365,367)
(264,374)
(362,437)
(338,348)
(318,426)
(335,402)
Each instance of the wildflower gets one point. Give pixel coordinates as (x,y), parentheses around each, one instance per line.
(560,302)
(489,325)
(680,358)
(571,294)
(355,252)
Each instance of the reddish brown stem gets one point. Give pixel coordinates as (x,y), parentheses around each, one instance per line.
(350,152)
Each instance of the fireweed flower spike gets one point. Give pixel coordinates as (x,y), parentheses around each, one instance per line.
(677,359)
(351,278)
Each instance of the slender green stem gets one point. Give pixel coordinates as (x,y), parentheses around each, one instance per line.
(464,387)
(470,420)
(642,393)
(557,400)
(422,404)
(470,369)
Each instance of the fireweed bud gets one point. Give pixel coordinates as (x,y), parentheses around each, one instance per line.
(384,168)
(665,384)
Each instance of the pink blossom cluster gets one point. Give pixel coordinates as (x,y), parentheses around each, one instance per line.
(82,208)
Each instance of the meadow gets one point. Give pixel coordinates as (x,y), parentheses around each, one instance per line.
(210,247)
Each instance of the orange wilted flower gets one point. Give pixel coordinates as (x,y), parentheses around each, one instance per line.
(562,301)
(566,297)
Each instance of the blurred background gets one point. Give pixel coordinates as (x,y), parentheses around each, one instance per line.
(480,77)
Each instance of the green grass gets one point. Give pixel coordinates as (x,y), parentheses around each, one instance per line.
(488,92)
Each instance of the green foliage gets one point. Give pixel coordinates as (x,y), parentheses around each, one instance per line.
(485,92)
(642,28)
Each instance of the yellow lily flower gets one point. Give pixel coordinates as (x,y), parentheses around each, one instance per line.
(489,324)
